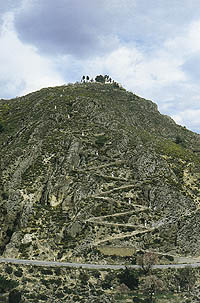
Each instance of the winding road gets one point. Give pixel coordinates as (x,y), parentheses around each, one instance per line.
(91,266)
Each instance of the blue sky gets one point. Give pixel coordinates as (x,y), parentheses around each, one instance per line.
(152,47)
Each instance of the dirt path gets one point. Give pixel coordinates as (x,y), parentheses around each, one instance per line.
(122,236)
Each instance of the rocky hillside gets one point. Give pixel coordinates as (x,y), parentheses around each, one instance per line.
(93,173)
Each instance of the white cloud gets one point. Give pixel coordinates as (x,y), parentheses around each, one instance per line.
(22,68)
(137,71)
(186,43)
(188,117)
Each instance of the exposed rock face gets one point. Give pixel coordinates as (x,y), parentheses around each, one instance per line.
(86,166)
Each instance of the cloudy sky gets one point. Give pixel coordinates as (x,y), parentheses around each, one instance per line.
(152,47)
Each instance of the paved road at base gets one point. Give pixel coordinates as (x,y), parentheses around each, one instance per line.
(89,266)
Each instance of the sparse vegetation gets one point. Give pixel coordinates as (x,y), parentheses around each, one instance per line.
(130,278)
(186,279)
(7,284)
(151,286)
(92,173)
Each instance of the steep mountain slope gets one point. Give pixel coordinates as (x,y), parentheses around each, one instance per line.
(88,169)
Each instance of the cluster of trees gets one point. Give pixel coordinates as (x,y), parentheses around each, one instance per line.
(8,285)
(150,284)
(100,79)
(103,79)
(86,79)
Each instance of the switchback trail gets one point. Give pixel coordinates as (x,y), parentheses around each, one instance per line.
(91,266)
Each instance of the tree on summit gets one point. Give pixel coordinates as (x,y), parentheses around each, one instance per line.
(100,79)
(104,79)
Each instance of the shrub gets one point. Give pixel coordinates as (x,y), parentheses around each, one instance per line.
(6,284)
(30,270)
(151,285)
(101,140)
(46,272)
(43,297)
(4,195)
(130,278)
(180,141)
(83,277)
(170,258)
(1,127)
(115,85)
(107,283)
(8,270)
(14,297)
(186,278)
(57,271)
(18,273)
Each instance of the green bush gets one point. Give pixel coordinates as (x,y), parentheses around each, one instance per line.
(170,258)
(47,272)
(8,270)
(83,277)
(115,85)
(4,195)
(57,271)
(6,285)
(130,278)
(107,283)
(1,127)
(18,273)
(23,247)
(31,270)
(180,140)
(60,295)
(137,300)
(101,140)
(14,297)
(43,297)
(57,282)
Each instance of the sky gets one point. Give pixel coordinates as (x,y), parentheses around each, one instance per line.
(151,47)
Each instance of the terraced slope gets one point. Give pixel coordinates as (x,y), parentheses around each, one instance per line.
(87,167)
